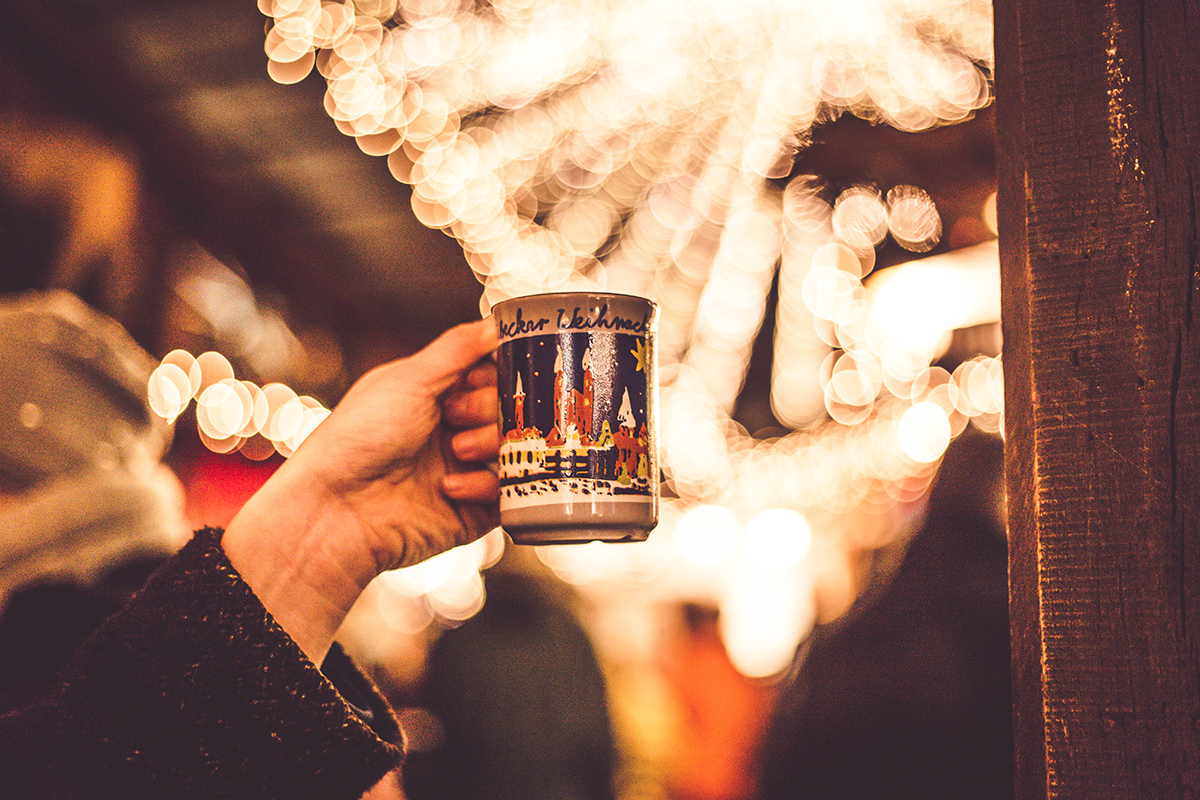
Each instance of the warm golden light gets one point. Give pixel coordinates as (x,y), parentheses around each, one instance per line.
(913,219)
(648,147)
(707,534)
(924,432)
(777,538)
(170,391)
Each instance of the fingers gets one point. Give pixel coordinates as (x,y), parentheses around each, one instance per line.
(480,486)
(472,408)
(441,363)
(477,444)
(481,375)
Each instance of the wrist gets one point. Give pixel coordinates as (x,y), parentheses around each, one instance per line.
(292,554)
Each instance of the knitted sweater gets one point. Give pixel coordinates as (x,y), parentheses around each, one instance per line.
(192,690)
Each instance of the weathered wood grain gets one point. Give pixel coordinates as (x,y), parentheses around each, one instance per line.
(1099,123)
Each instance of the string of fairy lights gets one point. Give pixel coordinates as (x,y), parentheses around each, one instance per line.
(644,146)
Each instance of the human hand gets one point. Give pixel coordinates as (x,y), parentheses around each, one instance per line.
(395,459)
(393,476)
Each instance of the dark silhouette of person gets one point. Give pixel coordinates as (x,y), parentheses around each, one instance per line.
(522,702)
(908,695)
(87,508)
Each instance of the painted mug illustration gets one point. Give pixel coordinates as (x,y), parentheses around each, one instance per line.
(577,387)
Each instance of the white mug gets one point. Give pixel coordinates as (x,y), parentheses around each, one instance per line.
(578,390)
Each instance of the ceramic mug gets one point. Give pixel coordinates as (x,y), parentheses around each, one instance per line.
(578,387)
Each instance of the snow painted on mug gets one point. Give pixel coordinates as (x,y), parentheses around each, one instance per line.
(574,409)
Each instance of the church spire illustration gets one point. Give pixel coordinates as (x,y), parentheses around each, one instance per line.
(609,451)
(519,402)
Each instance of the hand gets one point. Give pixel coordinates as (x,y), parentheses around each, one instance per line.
(393,476)
(391,472)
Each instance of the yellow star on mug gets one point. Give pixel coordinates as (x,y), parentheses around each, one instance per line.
(639,353)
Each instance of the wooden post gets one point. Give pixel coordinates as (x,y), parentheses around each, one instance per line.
(1098,119)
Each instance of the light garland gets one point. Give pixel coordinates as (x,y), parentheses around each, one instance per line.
(636,146)
(232,415)
(629,146)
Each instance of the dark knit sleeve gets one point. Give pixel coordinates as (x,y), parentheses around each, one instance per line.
(193,690)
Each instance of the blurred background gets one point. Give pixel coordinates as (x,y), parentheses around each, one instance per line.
(272,199)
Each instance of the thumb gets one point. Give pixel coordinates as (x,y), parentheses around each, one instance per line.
(440,363)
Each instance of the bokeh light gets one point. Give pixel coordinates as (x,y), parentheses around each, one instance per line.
(643,147)
(707,534)
(924,432)
(607,104)
(170,391)
(913,219)
(777,538)
(765,616)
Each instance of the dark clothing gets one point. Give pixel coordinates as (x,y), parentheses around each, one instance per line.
(192,690)
(42,625)
(909,695)
(523,704)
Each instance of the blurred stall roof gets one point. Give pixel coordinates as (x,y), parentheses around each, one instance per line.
(254,171)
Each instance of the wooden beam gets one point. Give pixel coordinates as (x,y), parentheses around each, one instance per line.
(1098,120)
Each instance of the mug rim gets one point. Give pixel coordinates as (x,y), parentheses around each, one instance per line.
(581,293)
